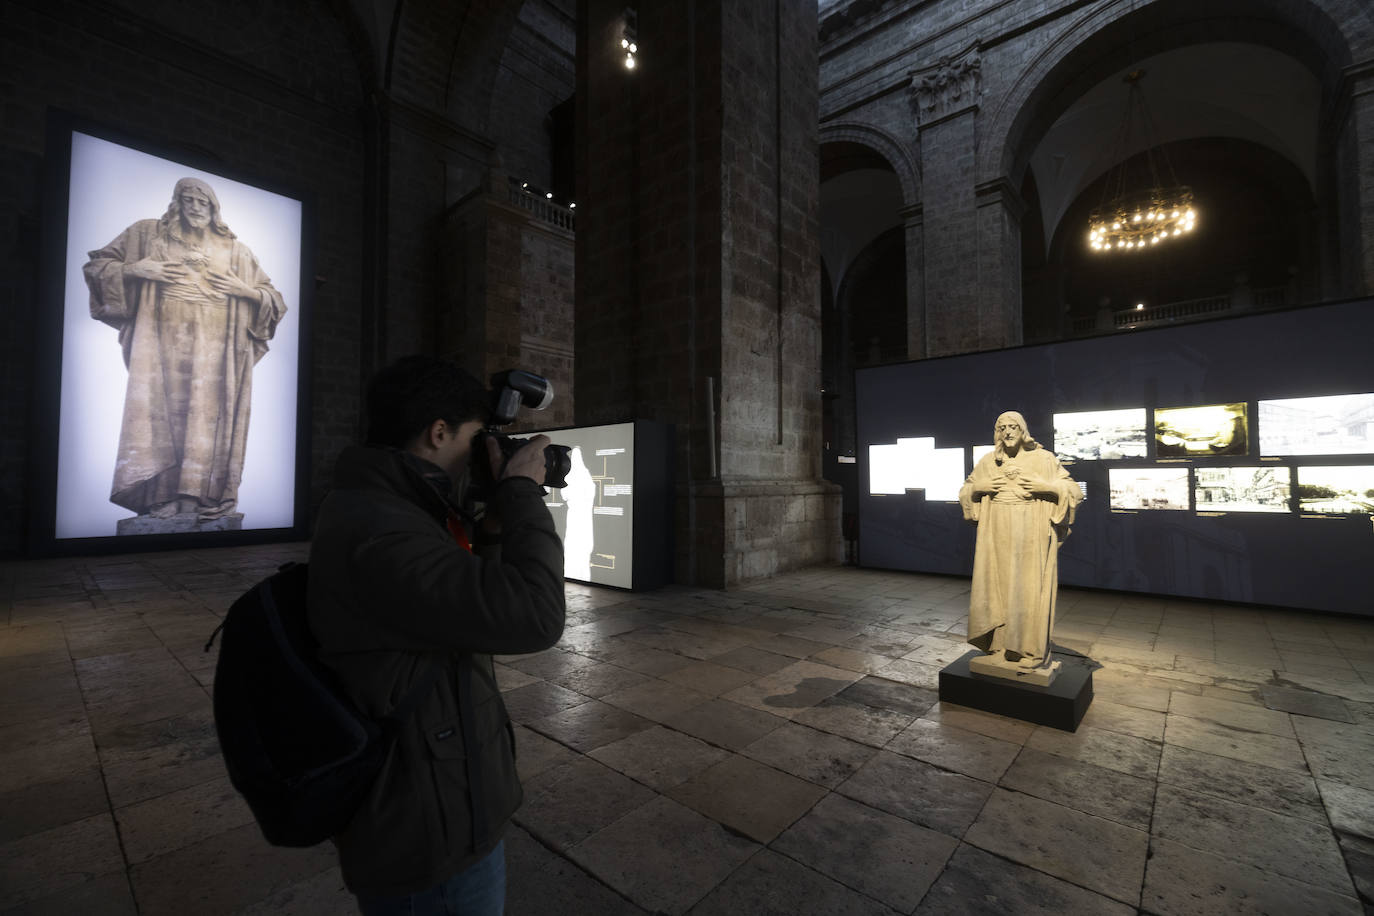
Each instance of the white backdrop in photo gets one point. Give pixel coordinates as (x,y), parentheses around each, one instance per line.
(112,187)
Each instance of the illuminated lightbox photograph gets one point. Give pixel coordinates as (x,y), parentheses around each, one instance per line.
(594,513)
(181,314)
(1201,432)
(1100,435)
(1264,489)
(916,464)
(1148,488)
(1342,490)
(1341,424)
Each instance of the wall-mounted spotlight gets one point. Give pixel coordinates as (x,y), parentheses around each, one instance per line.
(629,38)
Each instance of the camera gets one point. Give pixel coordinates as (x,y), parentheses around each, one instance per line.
(510,390)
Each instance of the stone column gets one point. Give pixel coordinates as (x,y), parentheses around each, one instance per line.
(913,221)
(999,265)
(1356,180)
(698,268)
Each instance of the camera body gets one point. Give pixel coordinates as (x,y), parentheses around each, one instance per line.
(512,389)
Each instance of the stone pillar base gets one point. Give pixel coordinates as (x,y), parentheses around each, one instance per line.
(178,524)
(766,527)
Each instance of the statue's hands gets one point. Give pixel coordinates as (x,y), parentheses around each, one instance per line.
(1039,486)
(157,271)
(229,285)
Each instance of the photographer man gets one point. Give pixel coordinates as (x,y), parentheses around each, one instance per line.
(395,591)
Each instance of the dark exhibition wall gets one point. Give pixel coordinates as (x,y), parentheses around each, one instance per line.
(1229,460)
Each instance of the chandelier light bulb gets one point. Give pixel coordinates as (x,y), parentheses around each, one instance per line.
(634,48)
(629,62)
(624,42)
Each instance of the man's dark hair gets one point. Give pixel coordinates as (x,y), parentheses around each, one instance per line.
(407,396)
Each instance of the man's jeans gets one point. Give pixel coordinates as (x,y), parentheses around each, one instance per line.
(480,890)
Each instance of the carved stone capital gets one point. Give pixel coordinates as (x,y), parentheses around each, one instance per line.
(952,86)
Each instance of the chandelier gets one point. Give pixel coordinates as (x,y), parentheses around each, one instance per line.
(1130,218)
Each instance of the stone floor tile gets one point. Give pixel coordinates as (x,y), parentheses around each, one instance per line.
(143,672)
(1276,843)
(1242,716)
(599,679)
(323,894)
(815,756)
(534,753)
(655,699)
(754,660)
(916,674)
(549,663)
(918,791)
(659,757)
(1089,851)
(45,750)
(569,803)
(853,659)
(589,725)
(758,801)
(984,723)
(1337,751)
(1100,747)
(209,876)
(1236,743)
(1155,698)
(883,856)
(42,805)
(976,882)
(144,761)
(107,895)
(1305,703)
(723,723)
(881,693)
(159,825)
(1082,786)
(535,701)
(709,678)
(663,856)
(1350,808)
(1128,720)
(1282,791)
(1359,858)
(791,646)
(508,679)
(771,884)
(955,749)
(540,882)
(855,721)
(1183,881)
(653,662)
(788,690)
(52,861)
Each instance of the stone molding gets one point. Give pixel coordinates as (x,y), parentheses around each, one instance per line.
(1000,191)
(953,86)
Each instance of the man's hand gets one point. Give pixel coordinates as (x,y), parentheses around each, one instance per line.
(528,461)
(158,271)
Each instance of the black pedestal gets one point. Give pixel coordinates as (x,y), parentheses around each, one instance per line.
(1060,705)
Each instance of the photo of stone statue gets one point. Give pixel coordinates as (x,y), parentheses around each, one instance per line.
(194,312)
(1023,502)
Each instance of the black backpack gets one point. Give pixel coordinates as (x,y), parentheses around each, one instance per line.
(296,747)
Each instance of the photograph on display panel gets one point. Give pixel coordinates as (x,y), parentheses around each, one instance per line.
(1263,489)
(181,314)
(1100,435)
(1336,490)
(1201,432)
(1329,425)
(1149,488)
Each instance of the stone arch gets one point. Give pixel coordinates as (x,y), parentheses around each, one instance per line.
(885,145)
(1084,54)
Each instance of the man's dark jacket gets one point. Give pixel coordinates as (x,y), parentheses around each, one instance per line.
(391,594)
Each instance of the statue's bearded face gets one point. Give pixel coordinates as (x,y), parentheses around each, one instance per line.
(1009,432)
(195,209)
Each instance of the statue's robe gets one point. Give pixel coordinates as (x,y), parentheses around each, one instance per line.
(190,352)
(1016,556)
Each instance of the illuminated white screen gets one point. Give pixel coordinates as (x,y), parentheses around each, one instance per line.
(113,187)
(594,513)
(1263,489)
(915,463)
(1341,490)
(980,450)
(1334,425)
(1100,435)
(1148,488)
